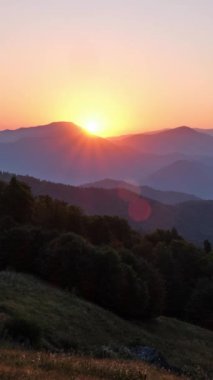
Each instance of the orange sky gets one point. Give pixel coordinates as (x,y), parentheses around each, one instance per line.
(129,65)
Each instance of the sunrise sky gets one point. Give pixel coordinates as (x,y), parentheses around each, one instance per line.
(127,65)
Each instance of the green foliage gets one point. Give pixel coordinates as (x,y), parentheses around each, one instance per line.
(20,247)
(102,230)
(151,282)
(173,279)
(165,236)
(200,306)
(180,264)
(16,201)
(54,214)
(207,246)
(67,262)
(102,276)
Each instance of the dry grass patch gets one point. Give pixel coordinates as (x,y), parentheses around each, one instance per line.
(21,365)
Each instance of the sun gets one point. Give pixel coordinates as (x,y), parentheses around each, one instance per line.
(93,127)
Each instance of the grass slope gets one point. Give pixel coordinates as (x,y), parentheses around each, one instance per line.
(68,321)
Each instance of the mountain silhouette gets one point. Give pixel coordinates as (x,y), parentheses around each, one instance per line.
(184,176)
(64,152)
(184,140)
(166,197)
(179,159)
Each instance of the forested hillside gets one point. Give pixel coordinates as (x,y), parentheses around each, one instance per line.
(193,219)
(103,260)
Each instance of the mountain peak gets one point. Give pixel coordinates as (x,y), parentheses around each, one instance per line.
(61,124)
(184,129)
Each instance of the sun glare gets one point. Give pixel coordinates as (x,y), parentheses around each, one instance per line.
(93,127)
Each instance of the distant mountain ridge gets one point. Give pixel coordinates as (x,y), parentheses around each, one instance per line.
(45,130)
(178,160)
(184,176)
(193,219)
(181,139)
(208,131)
(64,152)
(166,197)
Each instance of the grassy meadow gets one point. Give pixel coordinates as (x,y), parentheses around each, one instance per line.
(67,324)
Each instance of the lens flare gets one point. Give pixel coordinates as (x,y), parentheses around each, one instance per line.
(139,210)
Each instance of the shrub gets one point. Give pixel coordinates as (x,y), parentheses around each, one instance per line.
(23,331)
(200,306)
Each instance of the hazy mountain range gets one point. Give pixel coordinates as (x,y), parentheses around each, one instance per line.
(179,159)
(166,197)
(183,140)
(64,152)
(193,218)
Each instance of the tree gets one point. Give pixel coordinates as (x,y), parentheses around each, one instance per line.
(166,236)
(151,280)
(175,297)
(207,246)
(67,261)
(200,306)
(50,213)
(144,249)
(17,201)
(20,247)
(98,230)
